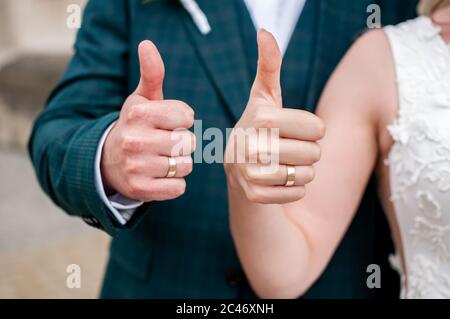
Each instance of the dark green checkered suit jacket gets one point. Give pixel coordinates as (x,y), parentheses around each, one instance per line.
(183,248)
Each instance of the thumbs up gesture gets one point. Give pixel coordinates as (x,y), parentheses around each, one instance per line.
(138,159)
(292,151)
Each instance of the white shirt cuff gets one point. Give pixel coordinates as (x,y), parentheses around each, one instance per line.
(121,207)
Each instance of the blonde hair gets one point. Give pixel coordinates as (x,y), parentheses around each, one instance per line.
(426,7)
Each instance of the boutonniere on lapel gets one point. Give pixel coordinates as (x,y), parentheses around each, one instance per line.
(197,15)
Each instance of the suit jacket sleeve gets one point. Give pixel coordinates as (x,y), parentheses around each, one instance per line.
(88,99)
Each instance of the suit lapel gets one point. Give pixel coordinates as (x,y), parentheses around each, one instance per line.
(222,52)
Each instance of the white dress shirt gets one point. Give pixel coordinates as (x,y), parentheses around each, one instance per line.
(279,17)
(276,16)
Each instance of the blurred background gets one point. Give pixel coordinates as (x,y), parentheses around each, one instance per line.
(37,240)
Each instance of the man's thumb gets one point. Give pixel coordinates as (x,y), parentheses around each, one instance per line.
(152,72)
(267,81)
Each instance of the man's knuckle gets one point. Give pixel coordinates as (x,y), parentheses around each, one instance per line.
(136,189)
(131,166)
(189,115)
(130,144)
(186,108)
(184,112)
(189,166)
(153,141)
(182,187)
(193,141)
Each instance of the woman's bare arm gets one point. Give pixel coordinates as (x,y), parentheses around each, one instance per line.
(285,248)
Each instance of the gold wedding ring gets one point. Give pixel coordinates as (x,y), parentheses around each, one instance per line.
(290,180)
(172,168)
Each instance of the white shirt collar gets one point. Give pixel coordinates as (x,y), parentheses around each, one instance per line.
(279,17)
(276,16)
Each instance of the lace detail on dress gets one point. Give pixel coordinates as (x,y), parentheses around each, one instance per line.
(426,280)
(419,160)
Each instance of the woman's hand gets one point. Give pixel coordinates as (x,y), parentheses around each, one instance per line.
(284,248)
(271,142)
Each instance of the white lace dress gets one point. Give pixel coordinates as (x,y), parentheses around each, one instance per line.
(419,161)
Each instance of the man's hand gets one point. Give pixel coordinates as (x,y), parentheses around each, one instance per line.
(135,155)
(297,145)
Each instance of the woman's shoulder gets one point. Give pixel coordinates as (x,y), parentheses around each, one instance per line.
(378,41)
(370,69)
(371,56)
(371,44)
